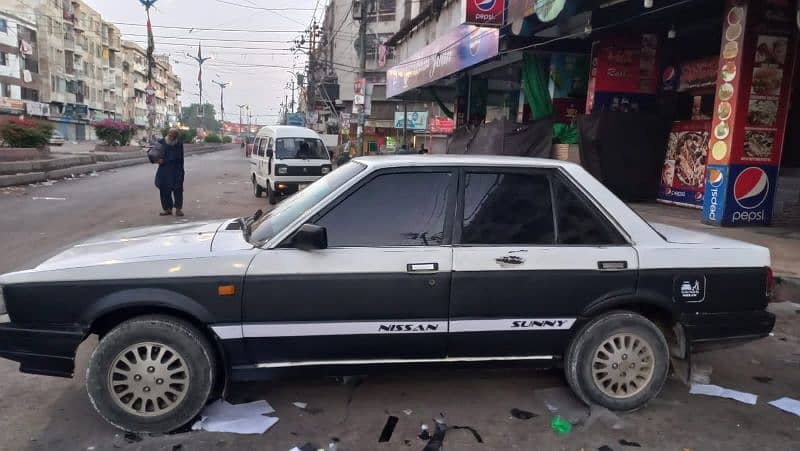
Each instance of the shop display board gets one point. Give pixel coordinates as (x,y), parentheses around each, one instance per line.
(683,174)
(750,110)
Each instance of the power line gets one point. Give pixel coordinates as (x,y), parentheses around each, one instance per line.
(261,8)
(211,39)
(227,30)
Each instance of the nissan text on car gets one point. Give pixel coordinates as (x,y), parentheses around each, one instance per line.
(286,159)
(389,261)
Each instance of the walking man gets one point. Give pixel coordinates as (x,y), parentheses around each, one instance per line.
(169,177)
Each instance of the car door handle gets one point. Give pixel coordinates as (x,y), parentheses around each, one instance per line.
(612,265)
(422,268)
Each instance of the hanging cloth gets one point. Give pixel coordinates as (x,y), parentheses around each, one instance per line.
(534,84)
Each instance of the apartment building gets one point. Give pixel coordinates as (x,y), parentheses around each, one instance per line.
(80,69)
(19,81)
(338,60)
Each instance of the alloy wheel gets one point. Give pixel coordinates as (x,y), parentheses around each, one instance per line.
(623,365)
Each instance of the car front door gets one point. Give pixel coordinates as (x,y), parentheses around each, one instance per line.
(380,290)
(531,252)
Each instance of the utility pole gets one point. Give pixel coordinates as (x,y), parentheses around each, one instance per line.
(240,120)
(292,95)
(249,121)
(362,68)
(200,60)
(222,85)
(150,99)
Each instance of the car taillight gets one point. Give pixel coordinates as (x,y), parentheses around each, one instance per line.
(770,282)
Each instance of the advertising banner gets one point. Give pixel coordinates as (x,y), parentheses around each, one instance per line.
(623,67)
(700,73)
(441,125)
(417,120)
(486,13)
(751,108)
(462,47)
(683,173)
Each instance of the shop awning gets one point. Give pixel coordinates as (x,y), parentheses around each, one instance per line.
(458,49)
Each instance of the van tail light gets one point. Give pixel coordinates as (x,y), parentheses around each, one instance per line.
(770,283)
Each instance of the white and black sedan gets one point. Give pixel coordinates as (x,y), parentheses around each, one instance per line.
(388,261)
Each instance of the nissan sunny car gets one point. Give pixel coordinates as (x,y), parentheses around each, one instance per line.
(440,260)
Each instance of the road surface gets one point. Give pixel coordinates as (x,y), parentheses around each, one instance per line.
(38,412)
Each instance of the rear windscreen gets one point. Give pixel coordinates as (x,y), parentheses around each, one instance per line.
(300,148)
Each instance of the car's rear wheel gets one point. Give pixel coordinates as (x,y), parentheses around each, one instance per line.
(258,191)
(151,374)
(619,360)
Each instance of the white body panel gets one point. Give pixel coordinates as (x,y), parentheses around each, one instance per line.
(260,165)
(531,258)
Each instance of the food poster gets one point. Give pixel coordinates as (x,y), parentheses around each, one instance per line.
(699,73)
(753,87)
(624,74)
(729,83)
(683,173)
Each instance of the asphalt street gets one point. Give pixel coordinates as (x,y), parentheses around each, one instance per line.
(38,412)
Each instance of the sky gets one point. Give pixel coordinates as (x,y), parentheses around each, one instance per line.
(237,54)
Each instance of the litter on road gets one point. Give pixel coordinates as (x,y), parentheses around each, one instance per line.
(522,414)
(560,425)
(248,418)
(388,429)
(562,402)
(787,404)
(716,390)
(300,405)
(408,411)
(624,442)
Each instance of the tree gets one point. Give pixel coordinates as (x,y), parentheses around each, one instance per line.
(192,119)
(212,138)
(114,133)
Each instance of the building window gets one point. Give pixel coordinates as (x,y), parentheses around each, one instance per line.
(384,10)
(3,59)
(3,26)
(373,44)
(30,94)
(5,90)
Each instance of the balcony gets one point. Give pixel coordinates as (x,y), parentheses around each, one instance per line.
(114,44)
(139,86)
(140,68)
(109,106)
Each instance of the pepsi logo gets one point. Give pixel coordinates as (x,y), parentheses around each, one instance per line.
(485,5)
(751,188)
(715,177)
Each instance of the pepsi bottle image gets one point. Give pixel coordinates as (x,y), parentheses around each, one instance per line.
(739,195)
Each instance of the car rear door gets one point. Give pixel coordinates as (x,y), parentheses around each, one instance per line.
(531,251)
(380,290)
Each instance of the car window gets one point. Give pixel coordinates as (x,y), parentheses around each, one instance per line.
(578,221)
(275,220)
(262,147)
(269,144)
(398,209)
(507,208)
(303,148)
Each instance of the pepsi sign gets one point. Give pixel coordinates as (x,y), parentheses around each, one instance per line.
(739,195)
(714,196)
(485,13)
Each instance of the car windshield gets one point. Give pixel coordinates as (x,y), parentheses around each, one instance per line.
(300,148)
(292,208)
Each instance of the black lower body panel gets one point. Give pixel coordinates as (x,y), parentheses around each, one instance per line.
(714,330)
(41,351)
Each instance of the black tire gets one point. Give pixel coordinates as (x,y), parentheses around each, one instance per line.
(258,191)
(586,344)
(191,347)
(273,196)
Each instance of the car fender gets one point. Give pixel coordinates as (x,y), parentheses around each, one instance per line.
(145,297)
(641,297)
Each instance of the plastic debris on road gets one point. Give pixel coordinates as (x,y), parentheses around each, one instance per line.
(624,442)
(560,425)
(247,418)
(562,402)
(49,198)
(408,411)
(522,414)
(716,390)
(701,373)
(436,441)
(300,405)
(424,434)
(608,418)
(388,429)
(787,404)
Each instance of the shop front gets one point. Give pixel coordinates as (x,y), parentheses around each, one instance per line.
(686,102)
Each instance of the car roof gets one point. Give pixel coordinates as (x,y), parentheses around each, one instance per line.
(290,131)
(378,162)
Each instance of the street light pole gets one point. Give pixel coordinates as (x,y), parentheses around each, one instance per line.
(200,60)
(240,120)
(222,85)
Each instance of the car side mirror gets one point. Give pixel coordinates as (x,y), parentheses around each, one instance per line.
(310,237)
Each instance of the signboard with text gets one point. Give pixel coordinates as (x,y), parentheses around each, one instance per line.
(458,49)
(417,120)
(486,13)
(441,125)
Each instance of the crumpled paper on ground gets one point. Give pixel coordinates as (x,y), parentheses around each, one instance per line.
(247,418)
(716,390)
(787,404)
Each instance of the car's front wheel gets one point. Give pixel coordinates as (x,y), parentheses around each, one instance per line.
(619,360)
(151,374)
(257,189)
